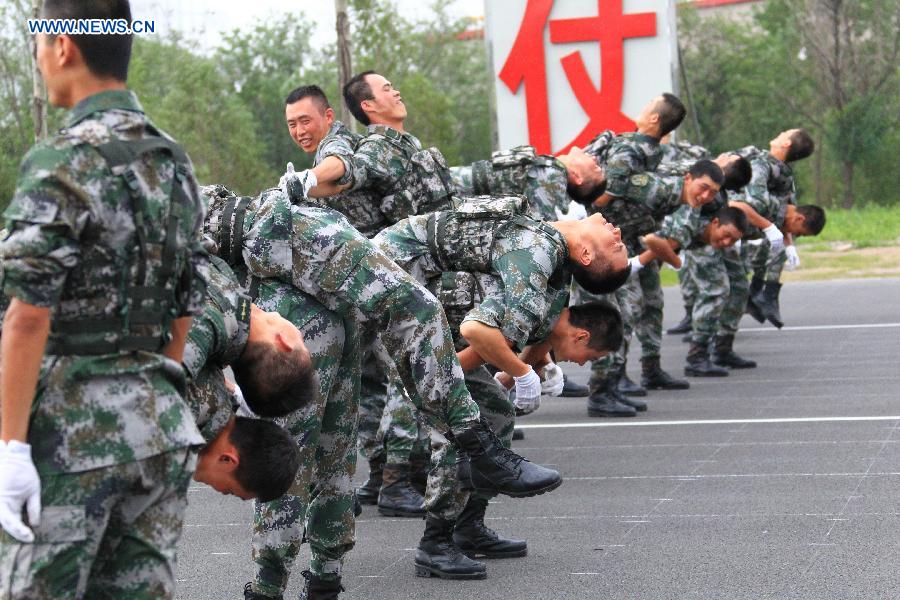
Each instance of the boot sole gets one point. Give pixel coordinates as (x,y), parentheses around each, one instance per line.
(696,374)
(369,501)
(526,494)
(639,408)
(426,571)
(731,366)
(393,512)
(474,555)
(634,394)
(667,387)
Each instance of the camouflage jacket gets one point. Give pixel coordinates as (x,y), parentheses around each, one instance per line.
(361,205)
(408,179)
(623,156)
(529,258)
(542,179)
(217,337)
(685,226)
(772,186)
(73,245)
(650,197)
(679,152)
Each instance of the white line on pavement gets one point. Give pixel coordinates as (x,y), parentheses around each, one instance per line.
(820,327)
(702,422)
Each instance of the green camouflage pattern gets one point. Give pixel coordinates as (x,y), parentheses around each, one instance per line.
(736,261)
(216,339)
(320,502)
(684,226)
(70,238)
(104,533)
(408,179)
(542,179)
(679,152)
(530,258)
(316,250)
(705,269)
(623,156)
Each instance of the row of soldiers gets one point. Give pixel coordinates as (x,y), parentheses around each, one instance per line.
(379,300)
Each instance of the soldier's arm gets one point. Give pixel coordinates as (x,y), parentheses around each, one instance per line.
(755,219)
(25,332)
(175,348)
(757,191)
(662,249)
(327,173)
(620,165)
(489,343)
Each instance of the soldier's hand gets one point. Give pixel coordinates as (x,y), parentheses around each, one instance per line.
(793,257)
(528,392)
(295,185)
(554,382)
(19,486)
(775,237)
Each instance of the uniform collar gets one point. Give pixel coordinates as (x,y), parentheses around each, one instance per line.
(108,100)
(641,137)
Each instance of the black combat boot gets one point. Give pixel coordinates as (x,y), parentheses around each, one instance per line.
(573,390)
(475,539)
(490,468)
(398,498)
(627,387)
(685,325)
(367,493)
(319,589)
(723,354)
(249,594)
(605,401)
(357,505)
(753,309)
(767,301)
(518,434)
(654,378)
(438,556)
(698,364)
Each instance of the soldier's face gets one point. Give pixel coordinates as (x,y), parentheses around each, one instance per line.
(572,345)
(387,103)
(48,59)
(723,236)
(583,170)
(649,115)
(700,190)
(782,139)
(272,328)
(308,122)
(607,241)
(217,471)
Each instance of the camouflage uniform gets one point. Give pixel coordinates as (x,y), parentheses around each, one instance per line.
(502,269)
(110,430)
(769,192)
(543,179)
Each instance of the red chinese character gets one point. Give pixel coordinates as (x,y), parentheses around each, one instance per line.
(525,63)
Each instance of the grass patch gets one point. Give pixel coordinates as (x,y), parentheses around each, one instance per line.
(869,227)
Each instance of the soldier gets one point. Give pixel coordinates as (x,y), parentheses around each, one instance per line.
(248,458)
(317,251)
(688,229)
(104,266)
(549,182)
(770,190)
(622,157)
(505,278)
(311,124)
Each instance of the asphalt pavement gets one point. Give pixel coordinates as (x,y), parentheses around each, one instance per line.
(776,482)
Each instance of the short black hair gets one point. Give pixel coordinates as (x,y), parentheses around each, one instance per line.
(671,113)
(602,320)
(729,215)
(738,173)
(606,281)
(586,194)
(355,91)
(802,145)
(105,55)
(268,458)
(814,218)
(309,91)
(707,168)
(273,382)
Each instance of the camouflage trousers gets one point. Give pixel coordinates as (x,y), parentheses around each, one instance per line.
(318,508)
(640,302)
(110,532)
(686,282)
(444,496)
(736,266)
(387,429)
(705,269)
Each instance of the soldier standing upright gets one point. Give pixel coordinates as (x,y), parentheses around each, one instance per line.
(104,266)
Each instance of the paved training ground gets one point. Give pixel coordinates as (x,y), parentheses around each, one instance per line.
(778,482)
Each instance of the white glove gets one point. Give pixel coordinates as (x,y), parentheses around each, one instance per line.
(528,392)
(575,212)
(19,485)
(793,258)
(737,246)
(635,262)
(291,180)
(775,237)
(554,382)
(243,409)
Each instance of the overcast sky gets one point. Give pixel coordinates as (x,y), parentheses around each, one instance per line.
(207,18)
